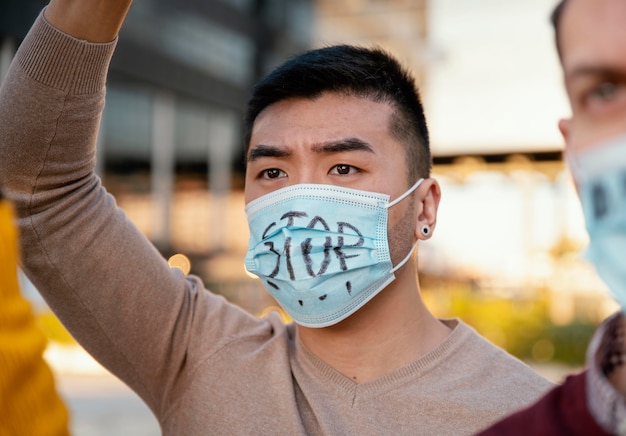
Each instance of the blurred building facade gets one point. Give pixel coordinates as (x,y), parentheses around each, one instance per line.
(399,26)
(180,68)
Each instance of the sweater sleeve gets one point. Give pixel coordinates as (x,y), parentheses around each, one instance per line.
(103,279)
(562,411)
(606,403)
(27,387)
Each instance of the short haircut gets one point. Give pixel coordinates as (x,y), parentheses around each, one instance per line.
(369,73)
(555,19)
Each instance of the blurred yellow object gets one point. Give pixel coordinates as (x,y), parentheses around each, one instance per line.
(181,262)
(29,402)
(283,315)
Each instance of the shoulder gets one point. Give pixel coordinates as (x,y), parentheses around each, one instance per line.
(482,360)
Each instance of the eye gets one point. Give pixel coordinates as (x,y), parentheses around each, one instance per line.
(604,97)
(605,91)
(598,95)
(343,169)
(272,173)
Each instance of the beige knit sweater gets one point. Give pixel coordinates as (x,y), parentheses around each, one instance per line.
(202,365)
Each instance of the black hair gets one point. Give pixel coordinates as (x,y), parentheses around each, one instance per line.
(555,19)
(370,73)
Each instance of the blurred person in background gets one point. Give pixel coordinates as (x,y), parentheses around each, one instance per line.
(591,43)
(338,193)
(29,402)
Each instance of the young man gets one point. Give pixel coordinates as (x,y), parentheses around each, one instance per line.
(591,42)
(338,193)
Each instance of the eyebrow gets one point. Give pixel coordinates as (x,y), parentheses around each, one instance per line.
(261,150)
(593,71)
(339,146)
(342,145)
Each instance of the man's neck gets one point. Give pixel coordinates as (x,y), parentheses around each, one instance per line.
(392,330)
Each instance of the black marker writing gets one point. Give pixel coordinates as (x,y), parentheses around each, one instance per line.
(307,248)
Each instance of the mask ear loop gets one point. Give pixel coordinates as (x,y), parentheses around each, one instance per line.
(405,195)
(406,259)
(394,202)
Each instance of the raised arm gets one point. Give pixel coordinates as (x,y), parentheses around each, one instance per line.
(109,286)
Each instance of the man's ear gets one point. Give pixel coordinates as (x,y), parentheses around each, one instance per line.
(427,205)
(564,127)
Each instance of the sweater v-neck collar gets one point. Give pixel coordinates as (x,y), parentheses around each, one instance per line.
(327,375)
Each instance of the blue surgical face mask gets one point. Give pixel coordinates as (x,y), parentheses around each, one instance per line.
(600,176)
(321,250)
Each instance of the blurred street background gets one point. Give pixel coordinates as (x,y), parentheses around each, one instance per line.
(506,255)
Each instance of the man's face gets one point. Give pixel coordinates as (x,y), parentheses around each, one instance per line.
(593,50)
(335,140)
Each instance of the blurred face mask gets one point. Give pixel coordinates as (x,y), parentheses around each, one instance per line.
(321,250)
(600,175)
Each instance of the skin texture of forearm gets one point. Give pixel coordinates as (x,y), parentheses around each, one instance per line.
(89,20)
